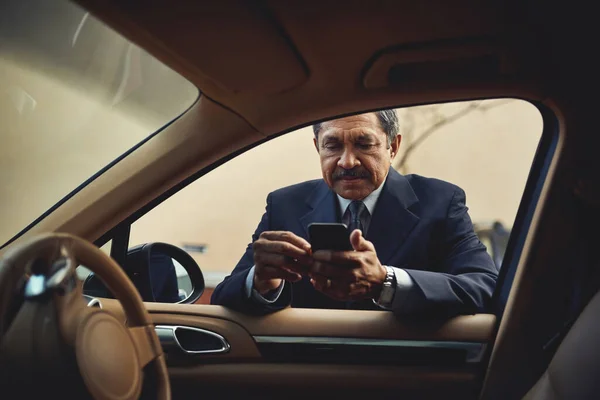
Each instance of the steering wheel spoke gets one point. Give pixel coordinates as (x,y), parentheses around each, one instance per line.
(146,344)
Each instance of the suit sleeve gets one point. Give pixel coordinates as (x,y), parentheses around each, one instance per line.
(232,292)
(464,278)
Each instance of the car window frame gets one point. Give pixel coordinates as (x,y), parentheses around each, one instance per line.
(544,154)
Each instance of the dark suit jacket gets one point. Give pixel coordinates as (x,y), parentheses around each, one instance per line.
(419,224)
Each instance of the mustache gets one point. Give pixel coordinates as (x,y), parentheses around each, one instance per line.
(354,172)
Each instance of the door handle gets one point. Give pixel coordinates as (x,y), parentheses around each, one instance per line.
(191,340)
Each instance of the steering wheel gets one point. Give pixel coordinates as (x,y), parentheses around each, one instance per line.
(51,340)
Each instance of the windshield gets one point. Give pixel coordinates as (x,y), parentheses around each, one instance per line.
(74,96)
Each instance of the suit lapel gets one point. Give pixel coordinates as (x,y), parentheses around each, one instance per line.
(392,221)
(323,206)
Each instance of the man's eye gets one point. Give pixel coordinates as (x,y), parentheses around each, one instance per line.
(365,146)
(331,146)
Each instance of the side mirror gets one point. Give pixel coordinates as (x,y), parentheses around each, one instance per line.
(161,272)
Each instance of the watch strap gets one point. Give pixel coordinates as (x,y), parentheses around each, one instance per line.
(389,288)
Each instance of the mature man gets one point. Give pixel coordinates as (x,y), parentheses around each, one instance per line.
(415,250)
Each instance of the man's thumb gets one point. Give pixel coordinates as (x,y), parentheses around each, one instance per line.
(359,243)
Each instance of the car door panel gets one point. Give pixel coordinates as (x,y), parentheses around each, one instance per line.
(309,381)
(335,352)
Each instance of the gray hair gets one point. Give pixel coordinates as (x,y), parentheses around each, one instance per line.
(388,120)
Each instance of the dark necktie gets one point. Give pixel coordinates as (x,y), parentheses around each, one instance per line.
(357,208)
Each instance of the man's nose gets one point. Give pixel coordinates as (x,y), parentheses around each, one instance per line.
(348,160)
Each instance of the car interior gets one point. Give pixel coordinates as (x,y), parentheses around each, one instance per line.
(266,68)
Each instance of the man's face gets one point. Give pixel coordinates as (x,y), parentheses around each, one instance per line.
(355,156)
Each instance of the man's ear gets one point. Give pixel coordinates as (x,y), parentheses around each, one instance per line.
(395,146)
(316,142)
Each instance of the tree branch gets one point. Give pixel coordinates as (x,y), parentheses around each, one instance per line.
(436,126)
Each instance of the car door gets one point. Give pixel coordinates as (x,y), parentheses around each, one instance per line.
(303,353)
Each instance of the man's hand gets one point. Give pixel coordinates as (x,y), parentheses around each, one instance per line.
(279,256)
(349,275)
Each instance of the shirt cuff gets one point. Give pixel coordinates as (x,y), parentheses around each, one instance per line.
(404,284)
(271,297)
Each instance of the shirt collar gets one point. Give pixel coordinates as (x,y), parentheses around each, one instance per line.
(369,201)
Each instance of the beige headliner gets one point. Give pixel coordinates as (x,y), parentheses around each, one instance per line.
(280,64)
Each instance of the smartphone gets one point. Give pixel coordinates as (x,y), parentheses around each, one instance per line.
(329,236)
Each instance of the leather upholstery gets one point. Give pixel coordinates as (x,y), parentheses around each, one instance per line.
(574,372)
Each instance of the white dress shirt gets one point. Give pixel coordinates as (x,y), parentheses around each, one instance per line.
(404,283)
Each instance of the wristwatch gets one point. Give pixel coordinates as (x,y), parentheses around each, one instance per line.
(389,288)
